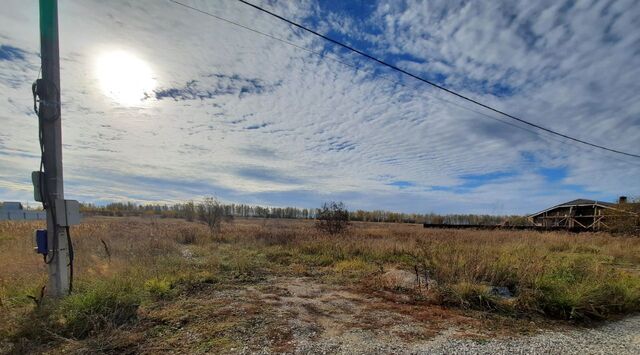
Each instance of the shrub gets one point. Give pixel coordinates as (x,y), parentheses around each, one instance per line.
(159,288)
(103,306)
(470,295)
(190,211)
(332,218)
(354,266)
(211,212)
(275,237)
(581,289)
(187,235)
(279,256)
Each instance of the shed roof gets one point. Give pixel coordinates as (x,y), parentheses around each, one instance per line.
(578,202)
(11,206)
(583,201)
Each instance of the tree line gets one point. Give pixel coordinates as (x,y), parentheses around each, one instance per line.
(189,210)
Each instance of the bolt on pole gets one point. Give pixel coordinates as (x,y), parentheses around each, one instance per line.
(51,125)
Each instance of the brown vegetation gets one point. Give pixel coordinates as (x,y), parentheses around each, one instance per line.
(211,212)
(332,218)
(143,280)
(625,218)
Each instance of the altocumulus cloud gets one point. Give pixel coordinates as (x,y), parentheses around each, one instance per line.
(253,120)
(215,85)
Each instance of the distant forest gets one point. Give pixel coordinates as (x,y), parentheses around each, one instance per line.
(182,210)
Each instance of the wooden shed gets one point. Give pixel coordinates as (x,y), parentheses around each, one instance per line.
(580,214)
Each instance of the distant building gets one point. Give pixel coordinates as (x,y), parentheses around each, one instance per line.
(13,211)
(583,214)
(11,206)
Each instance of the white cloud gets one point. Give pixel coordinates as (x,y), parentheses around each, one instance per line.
(317,129)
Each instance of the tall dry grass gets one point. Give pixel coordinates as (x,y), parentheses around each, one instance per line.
(560,275)
(125,262)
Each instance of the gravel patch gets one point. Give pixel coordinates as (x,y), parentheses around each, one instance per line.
(324,320)
(621,337)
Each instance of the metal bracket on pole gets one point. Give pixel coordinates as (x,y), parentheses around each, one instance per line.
(67,212)
(48,94)
(37,178)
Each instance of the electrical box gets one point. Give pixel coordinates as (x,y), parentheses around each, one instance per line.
(67,212)
(41,242)
(37,178)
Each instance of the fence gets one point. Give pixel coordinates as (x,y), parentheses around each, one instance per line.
(22,215)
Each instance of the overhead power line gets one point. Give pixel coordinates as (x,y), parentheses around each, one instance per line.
(355,67)
(440,87)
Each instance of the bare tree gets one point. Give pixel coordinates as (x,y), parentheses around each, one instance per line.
(332,217)
(190,211)
(211,212)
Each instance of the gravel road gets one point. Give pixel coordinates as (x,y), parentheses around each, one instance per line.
(620,337)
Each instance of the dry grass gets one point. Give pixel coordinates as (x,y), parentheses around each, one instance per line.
(126,263)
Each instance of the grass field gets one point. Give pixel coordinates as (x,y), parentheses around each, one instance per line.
(167,284)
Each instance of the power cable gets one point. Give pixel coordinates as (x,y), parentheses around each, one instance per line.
(44,195)
(394,81)
(440,87)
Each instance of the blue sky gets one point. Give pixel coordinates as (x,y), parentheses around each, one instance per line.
(249,119)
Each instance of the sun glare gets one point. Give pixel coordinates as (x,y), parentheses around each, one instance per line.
(124,77)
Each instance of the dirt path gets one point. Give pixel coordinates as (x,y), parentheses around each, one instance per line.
(327,319)
(299,315)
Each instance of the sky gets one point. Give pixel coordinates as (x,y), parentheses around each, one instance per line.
(161,103)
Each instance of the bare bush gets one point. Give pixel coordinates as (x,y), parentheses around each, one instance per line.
(211,212)
(190,211)
(332,218)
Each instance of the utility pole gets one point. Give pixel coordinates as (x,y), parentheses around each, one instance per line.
(49,116)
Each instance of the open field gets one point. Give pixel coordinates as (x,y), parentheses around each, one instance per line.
(153,285)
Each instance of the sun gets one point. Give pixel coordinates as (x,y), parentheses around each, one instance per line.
(124,77)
